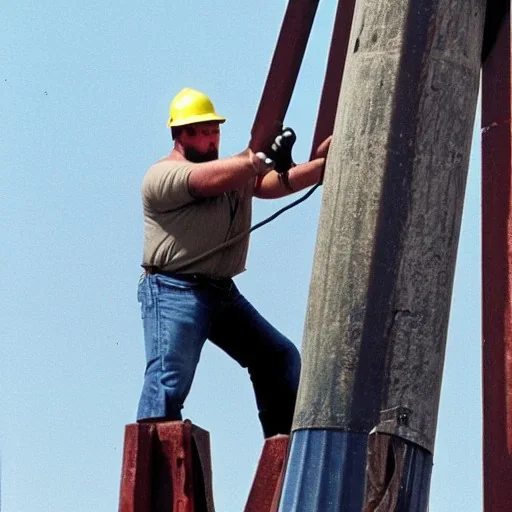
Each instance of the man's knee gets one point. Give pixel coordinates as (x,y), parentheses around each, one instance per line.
(294,360)
(290,365)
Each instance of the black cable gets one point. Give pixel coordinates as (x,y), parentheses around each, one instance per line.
(284,209)
(238,237)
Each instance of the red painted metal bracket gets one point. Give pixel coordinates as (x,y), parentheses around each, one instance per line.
(268,480)
(496,275)
(283,73)
(285,67)
(166,467)
(334,73)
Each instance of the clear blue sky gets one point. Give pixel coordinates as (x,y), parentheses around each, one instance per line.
(84,92)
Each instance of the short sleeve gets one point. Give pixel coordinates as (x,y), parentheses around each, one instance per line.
(165,185)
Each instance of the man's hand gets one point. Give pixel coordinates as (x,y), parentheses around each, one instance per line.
(261,163)
(281,150)
(323,148)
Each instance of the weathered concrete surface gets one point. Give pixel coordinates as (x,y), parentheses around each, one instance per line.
(380,292)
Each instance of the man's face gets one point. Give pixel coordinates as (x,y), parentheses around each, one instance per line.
(200,141)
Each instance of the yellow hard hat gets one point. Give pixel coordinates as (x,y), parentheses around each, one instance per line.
(190,106)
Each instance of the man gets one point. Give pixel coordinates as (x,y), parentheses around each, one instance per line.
(197,213)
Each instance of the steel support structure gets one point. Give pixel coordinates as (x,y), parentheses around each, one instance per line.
(266,487)
(333,73)
(166,468)
(284,70)
(496,273)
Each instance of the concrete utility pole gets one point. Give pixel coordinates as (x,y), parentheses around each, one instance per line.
(380,292)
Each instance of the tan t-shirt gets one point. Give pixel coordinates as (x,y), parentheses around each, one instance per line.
(179,229)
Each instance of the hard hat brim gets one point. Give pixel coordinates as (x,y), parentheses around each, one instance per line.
(202,118)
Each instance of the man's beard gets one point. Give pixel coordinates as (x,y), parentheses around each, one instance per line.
(192,155)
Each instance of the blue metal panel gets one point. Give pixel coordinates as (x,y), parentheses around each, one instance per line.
(415,482)
(326,472)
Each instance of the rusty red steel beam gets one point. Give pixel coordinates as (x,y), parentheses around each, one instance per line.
(334,72)
(135,476)
(285,67)
(496,274)
(268,480)
(283,72)
(166,468)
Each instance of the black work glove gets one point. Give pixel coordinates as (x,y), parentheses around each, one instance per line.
(281,150)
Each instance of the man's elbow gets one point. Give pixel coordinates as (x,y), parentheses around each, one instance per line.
(269,193)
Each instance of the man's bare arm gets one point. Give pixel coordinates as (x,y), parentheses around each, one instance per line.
(271,186)
(213,178)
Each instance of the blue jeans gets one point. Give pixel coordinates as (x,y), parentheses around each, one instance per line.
(179,313)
